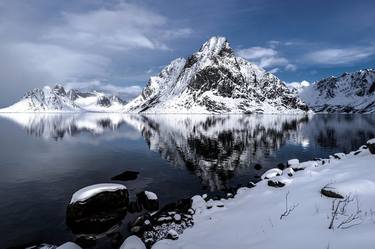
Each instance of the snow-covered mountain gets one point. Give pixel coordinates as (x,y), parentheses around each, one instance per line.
(57,99)
(215,80)
(348,93)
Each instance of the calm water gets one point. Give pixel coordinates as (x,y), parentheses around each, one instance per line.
(44,159)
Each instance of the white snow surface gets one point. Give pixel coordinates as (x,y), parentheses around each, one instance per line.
(151,195)
(293,162)
(133,242)
(253,219)
(92,190)
(69,245)
(271,173)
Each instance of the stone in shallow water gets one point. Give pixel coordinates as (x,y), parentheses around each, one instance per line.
(148,200)
(96,208)
(126,176)
(258,166)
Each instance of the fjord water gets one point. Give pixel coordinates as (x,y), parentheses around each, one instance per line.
(45,158)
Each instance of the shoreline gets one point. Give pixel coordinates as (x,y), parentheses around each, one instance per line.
(268,217)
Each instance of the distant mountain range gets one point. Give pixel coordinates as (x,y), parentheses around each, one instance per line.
(348,93)
(215,80)
(57,99)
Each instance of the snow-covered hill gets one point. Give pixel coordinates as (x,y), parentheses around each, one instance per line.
(57,99)
(215,80)
(348,93)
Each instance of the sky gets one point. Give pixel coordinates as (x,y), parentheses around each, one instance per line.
(117,45)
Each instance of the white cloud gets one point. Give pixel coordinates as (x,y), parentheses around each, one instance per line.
(267,58)
(274,70)
(124,91)
(290,67)
(122,27)
(336,56)
(255,53)
(105,41)
(59,63)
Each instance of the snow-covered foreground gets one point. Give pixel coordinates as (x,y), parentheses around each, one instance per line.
(294,216)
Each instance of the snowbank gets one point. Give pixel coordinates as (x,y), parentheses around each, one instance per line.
(69,245)
(89,191)
(133,242)
(294,216)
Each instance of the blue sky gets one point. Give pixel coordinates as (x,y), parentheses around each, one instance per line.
(118,45)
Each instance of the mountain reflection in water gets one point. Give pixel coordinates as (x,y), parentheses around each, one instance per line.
(213,147)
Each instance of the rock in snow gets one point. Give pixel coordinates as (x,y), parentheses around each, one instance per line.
(215,80)
(371,145)
(272,173)
(133,242)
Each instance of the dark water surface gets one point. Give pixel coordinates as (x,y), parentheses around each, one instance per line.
(45,158)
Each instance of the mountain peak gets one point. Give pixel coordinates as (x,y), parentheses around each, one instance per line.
(214,80)
(215,45)
(59,89)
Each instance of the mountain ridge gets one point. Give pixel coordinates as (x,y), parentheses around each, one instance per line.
(214,80)
(352,92)
(57,99)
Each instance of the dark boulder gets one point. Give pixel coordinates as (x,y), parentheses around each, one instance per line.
(98,213)
(275,183)
(258,166)
(371,145)
(281,166)
(126,176)
(148,200)
(330,192)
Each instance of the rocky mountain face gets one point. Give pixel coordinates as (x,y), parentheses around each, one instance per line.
(57,99)
(348,93)
(215,80)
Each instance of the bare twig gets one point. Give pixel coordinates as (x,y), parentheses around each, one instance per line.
(288,209)
(340,209)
